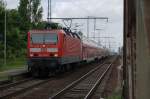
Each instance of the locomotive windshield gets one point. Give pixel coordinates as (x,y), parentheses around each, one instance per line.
(44,38)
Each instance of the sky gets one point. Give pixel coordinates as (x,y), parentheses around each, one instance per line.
(113,9)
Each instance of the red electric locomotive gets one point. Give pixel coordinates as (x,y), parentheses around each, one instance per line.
(51,49)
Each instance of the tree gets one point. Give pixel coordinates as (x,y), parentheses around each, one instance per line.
(36,11)
(30,12)
(1,19)
(19,21)
(1,4)
(14,34)
(2,10)
(24,12)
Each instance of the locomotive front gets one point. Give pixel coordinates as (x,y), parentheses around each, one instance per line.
(43,51)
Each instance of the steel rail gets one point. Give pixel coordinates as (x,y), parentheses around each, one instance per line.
(90,93)
(14,84)
(75,82)
(16,92)
(92,90)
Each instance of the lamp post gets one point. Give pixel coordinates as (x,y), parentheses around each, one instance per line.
(5,27)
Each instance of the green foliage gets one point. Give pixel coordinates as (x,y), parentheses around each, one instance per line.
(1,49)
(40,25)
(1,30)
(24,12)
(115,95)
(31,13)
(1,19)
(1,5)
(36,11)
(14,63)
(19,22)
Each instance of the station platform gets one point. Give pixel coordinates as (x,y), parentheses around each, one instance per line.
(14,71)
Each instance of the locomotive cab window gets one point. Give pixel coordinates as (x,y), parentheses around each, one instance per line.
(50,38)
(45,38)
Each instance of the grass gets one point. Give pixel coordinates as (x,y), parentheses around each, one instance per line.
(115,95)
(13,64)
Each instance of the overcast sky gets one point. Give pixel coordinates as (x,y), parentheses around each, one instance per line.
(113,9)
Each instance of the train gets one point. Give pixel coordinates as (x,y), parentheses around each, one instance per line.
(52,50)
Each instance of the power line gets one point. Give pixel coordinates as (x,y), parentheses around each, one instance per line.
(101,37)
(77,18)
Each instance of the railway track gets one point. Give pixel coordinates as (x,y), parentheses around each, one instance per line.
(13,89)
(84,87)
(5,86)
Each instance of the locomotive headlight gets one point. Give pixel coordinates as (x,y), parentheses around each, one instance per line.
(52,49)
(56,55)
(31,55)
